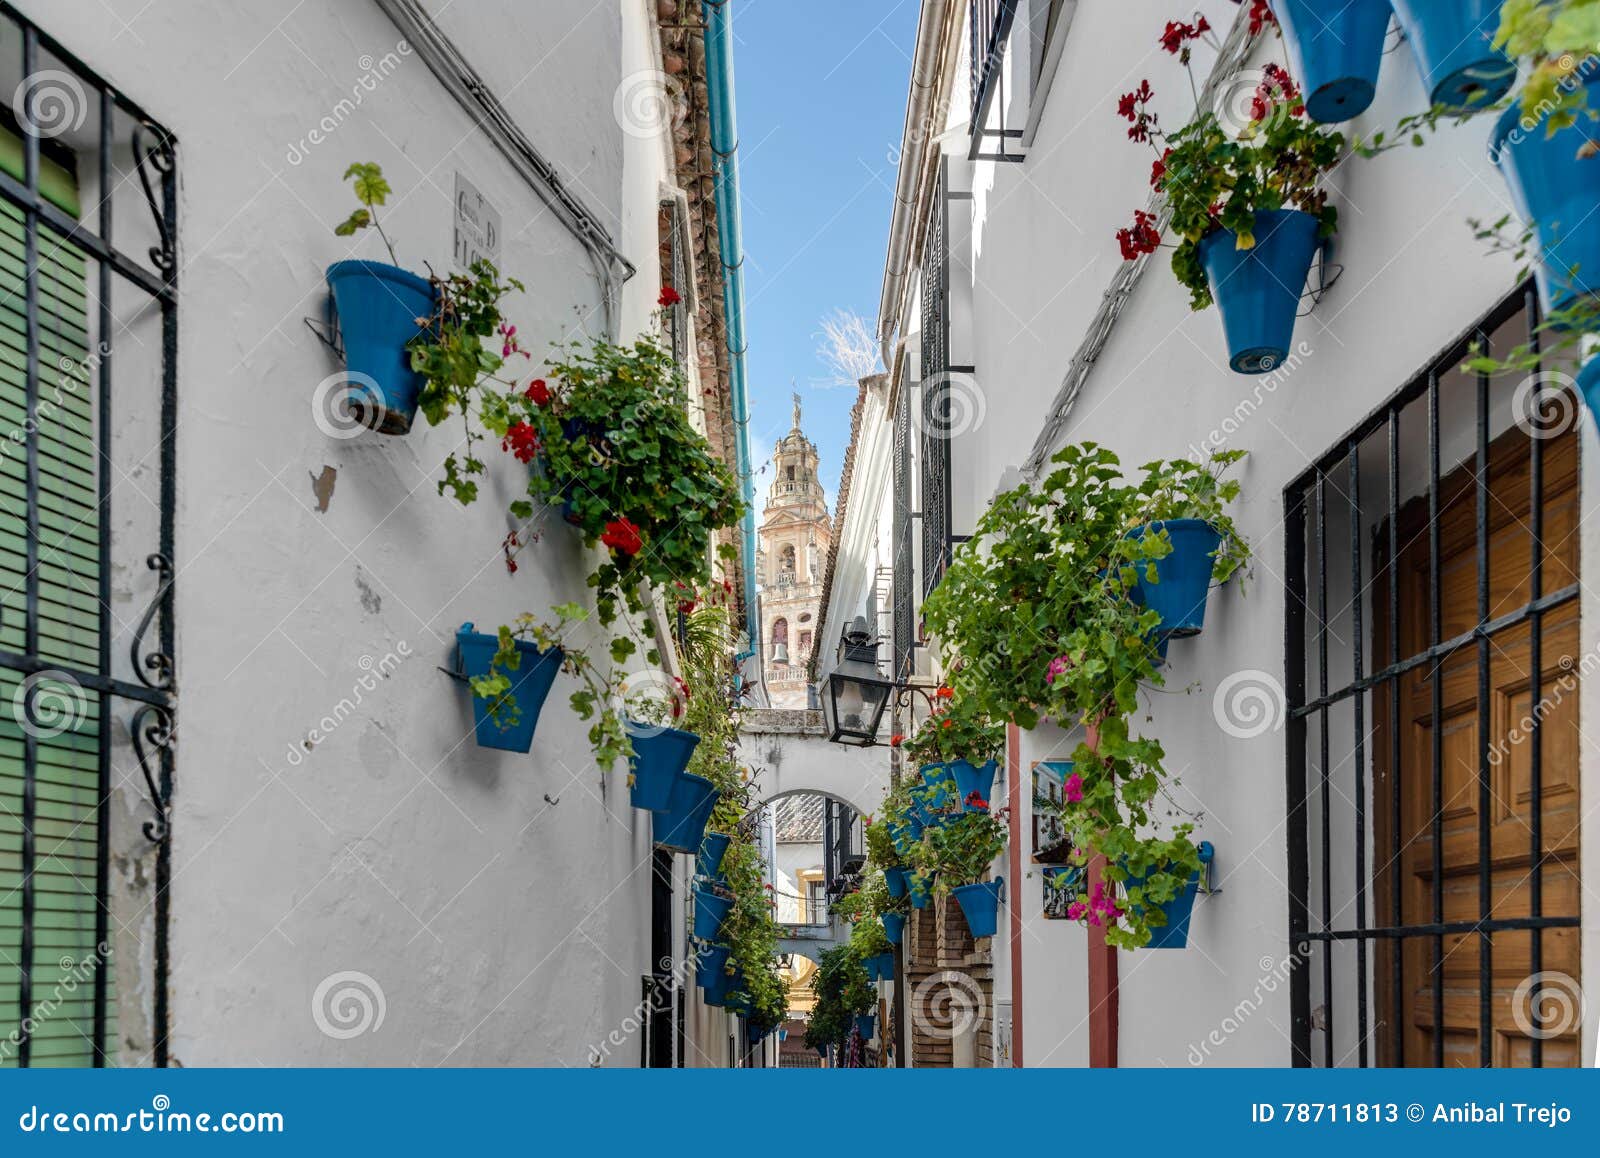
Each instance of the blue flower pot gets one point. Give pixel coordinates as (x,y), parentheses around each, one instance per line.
(972,778)
(709,863)
(1184,575)
(894,927)
(864,1025)
(718,986)
(1334,53)
(898,880)
(377,307)
(530,684)
(710,910)
(1451,40)
(659,758)
(881,966)
(1557,193)
(980,905)
(755,1035)
(902,839)
(682,826)
(937,796)
(711,965)
(1589,386)
(920,891)
(1257,290)
(1175,933)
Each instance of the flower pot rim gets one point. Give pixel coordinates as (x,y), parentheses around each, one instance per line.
(1512,117)
(657,730)
(1286,211)
(381,270)
(467,631)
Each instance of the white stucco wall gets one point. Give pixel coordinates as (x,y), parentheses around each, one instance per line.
(500,902)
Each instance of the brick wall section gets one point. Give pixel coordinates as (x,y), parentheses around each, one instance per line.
(949,978)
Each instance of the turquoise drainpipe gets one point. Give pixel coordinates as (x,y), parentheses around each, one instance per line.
(725,147)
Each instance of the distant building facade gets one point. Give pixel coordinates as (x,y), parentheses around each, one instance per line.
(794,538)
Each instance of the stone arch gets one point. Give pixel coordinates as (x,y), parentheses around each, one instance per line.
(788,752)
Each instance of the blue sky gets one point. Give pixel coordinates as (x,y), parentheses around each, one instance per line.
(821,92)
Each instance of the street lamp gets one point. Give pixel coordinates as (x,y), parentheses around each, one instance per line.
(857,691)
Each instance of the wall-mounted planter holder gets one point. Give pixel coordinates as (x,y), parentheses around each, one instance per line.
(880,967)
(711,966)
(898,880)
(1258,290)
(865,1024)
(1334,52)
(659,757)
(980,905)
(1184,575)
(682,826)
(710,910)
(970,778)
(1175,933)
(894,927)
(1452,41)
(709,863)
(919,890)
(1556,193)
(375,308)
(530,684)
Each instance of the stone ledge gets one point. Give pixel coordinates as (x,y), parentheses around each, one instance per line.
(782,721)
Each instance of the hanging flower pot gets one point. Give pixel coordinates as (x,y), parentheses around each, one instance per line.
(377,308)
(711,964)
(894,927)
(717,987)
(530,684)
(682,826)
(900,835)
(754,1034)
(880,967)
(709,863)
(920,889)
(1184,575)
(980,905)
(1257,290)
(973,779)
(1556,192)
(1175,933)
(1452,41)
(1334,51)
(1589,385)
(710,910)
(898,880)
(865,1023)
(659,757)
(937,793)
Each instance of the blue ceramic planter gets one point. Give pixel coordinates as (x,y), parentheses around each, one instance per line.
(710,910)
(920,892)
(865,1024)
(881,966)
(709,863)
(972,778)
(900,836)
(377,307)
(898,880)
(1175,933)
(938,794)
(1257,290)
(659,758)
(1452,40)
(894,927)
(530,684)
(682,827)
(1589,386)
(1184,575)
(1334,53)
(718,986)
(1557,193)
(980,905)
(712,964)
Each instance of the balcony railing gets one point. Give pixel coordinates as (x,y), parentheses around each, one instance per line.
(991,27)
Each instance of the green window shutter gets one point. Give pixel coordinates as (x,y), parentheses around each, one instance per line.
(67,809)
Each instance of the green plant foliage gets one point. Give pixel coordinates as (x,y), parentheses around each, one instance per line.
(960,851)
(957,729)
(372,190)
(843,992)
(751,935)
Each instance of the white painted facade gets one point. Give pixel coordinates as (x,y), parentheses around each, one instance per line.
(500,903)
(1032,256)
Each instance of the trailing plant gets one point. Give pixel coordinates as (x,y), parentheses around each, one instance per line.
(960,851)
(843,992)
(1040,608)
(867,938)
(1215,176)
(750,932)
(956,729)
(881,852)
(712,708)
(1555,41)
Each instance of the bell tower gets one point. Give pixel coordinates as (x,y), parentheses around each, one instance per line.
(794,538)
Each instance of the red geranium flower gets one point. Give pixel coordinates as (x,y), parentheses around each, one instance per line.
(974,800)
(1159,170)
(623,536)
(943,693)
(538,392)
(1260,16)
(521,440)
(669,297)
(1143,238)
(896,740)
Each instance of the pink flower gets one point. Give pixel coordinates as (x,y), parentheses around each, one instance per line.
(1076,911)
(1057,666)
(1072,789)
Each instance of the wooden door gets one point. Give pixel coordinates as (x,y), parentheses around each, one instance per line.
(1406,1032)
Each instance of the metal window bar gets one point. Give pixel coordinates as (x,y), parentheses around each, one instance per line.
(1304,499)
(154,150)
(990,29)
(934,446)
(904,641)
